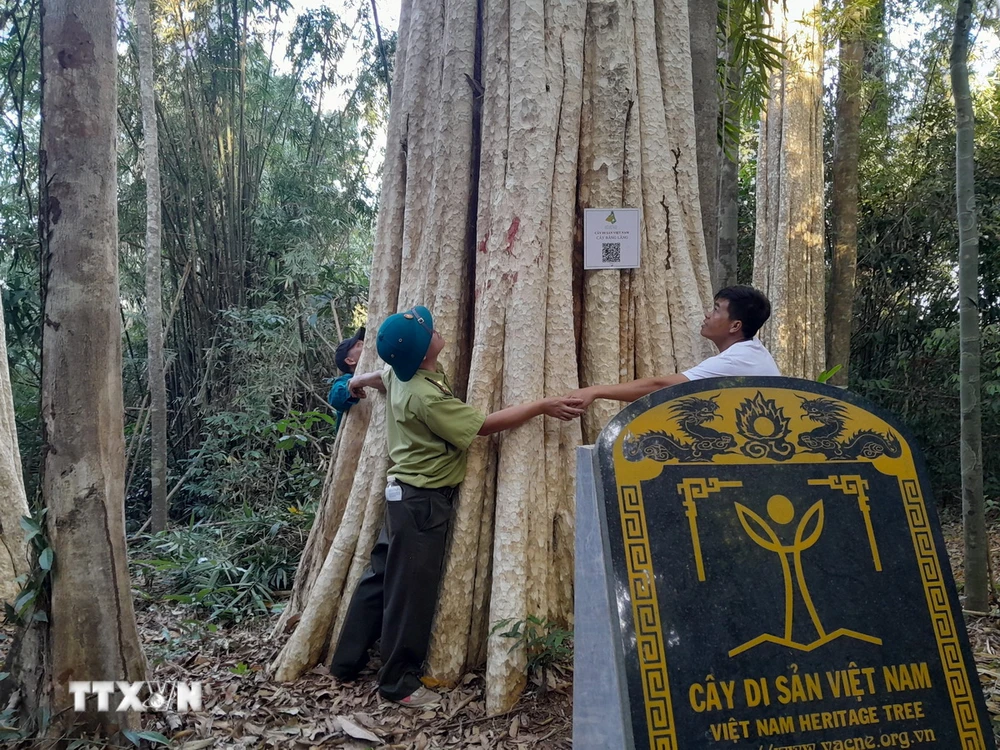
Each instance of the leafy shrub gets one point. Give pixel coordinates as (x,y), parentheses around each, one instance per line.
(228,568)
(921,387)
(544,642)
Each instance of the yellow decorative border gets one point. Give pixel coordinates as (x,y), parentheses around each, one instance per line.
(949,647)
(646,616)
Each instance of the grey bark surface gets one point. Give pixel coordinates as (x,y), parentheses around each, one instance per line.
(154,305)
(704,22)
(725,261)
(91,631)
(844,198)
(977,583)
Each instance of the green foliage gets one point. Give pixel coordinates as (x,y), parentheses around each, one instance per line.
(31,603)
(246,458)
(12,732)
(544,642)
(278,224)
(827,374)
(136,738)
(19,131)
(905,343)
(294,430)
(227,569)
(240,669)
(753,53)
(920,385)
(269,172)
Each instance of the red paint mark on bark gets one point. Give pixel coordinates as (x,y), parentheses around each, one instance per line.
(512,235)
(482,243)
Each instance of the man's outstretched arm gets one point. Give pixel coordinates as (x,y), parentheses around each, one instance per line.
(626,391)
(358,383)
(563,407)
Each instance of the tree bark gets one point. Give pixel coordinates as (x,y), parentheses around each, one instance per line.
(337,488)
(789,265)
(549,96)
(91,632)
(977,582)
(14,553)
(154,305)
(725,260)
(704,23)
(844,200)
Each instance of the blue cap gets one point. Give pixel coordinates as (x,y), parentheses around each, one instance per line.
(344,348)
(403,340)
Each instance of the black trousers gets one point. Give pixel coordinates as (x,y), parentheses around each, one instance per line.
(397,594)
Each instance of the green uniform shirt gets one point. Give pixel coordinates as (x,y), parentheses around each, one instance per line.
(428,430)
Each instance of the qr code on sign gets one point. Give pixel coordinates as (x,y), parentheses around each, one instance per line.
(611,252)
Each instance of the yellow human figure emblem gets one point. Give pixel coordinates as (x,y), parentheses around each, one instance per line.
(781,511)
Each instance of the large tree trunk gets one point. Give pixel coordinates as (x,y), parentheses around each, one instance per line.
(704,23)
(973,509)
(788,253)
(336,490)
(91,632)
(14,555)
(550,94)
(844,201)
(154,306)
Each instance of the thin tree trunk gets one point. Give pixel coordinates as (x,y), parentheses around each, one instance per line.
(789,264)
(725,260)
(844,201)
(14,553)
(704,22)
(973,509)
(154,306)
(90,633)
(381,52)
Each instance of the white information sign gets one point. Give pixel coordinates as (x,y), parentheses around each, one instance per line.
(611,238)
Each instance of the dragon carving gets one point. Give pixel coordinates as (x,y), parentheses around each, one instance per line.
(692,415)
(828,437)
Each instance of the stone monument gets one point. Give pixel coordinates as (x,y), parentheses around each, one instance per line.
(760,565)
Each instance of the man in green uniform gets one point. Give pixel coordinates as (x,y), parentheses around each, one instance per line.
(429,431)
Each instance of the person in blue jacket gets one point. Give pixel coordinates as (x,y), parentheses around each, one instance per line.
(347,355)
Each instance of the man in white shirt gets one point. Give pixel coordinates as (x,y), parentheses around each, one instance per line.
(738,313)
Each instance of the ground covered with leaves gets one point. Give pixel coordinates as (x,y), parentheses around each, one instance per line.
(245,709)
